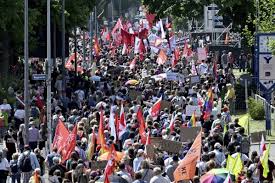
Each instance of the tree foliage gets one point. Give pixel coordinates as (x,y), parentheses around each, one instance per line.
(236,11)
(12,17)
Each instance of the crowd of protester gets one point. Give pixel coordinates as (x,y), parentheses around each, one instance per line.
(96,94)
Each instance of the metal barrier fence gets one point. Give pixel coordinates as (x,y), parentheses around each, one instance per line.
(259,98)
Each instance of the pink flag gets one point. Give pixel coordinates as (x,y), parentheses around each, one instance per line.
(162,58)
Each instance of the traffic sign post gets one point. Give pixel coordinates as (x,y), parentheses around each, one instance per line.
(39,77)
(265,71)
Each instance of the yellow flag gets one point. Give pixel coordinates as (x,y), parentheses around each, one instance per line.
(238,166)
(264,161)
(243,121)
(230,162)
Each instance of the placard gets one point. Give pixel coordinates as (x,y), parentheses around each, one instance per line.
(167,145)
(202,55)
(151,152)
(189,134)
(256,137)
(189,110)
(165,104)
(98,165)
(194,79)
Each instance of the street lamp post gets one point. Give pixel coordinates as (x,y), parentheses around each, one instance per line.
(63,40)
(49,64)
(26,71)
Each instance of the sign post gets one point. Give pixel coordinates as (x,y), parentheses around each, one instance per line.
(265,70)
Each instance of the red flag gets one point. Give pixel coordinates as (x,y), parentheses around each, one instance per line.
(141,122)
(172,124)
(141,50)
(150,18)
(262,146)
(122,123)
(61,135)
(96,47)
(126,37)
(70,144)
(109,170)
(143,34)
(133,63)
(162,57)
(101,137)
(176,57)
(155,109)
(186,50)
(118,26)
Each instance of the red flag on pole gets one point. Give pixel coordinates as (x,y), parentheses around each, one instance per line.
(101,137)
(133,63)
(150,18)
(61,135)
(122,123)
(155,109)
(141,122)
(70,144)
(162,57)
(96,47)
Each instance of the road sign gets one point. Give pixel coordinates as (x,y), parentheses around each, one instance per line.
(265,69)
(39,77)
(265,61)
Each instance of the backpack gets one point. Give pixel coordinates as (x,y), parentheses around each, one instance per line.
(25,164)
(14,167)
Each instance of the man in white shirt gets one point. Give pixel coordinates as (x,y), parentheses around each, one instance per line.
(5,107)
(219,155)
(203,68)
(244,158)
(138,160)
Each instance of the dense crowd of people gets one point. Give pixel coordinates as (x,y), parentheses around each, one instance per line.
(95,99)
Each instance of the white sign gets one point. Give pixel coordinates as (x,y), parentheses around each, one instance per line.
(170,76)
(202,55)
(190,110)
(267,70)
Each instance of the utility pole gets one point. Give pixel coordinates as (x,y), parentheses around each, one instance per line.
(26,71)
(75,52)
(91,36)
(63,40)
(49,64)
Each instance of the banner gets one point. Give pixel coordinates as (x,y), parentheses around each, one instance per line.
(190,110)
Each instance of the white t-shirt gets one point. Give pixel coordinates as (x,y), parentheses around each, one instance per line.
(5,107)
(19,114)
(203,68)
(4,165)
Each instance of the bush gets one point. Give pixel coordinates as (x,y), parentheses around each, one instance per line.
(256,109)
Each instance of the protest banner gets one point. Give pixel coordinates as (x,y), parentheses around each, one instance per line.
(98,165)
(202,55)
(190,110)
(189,134)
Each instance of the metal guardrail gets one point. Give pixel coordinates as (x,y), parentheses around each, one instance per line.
(271,107)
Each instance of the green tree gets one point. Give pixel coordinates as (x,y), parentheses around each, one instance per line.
(12,24)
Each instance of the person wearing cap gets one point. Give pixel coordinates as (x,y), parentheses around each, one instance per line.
(219,154)
(158,178)
(36,173)
(33,136)
(137,161)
